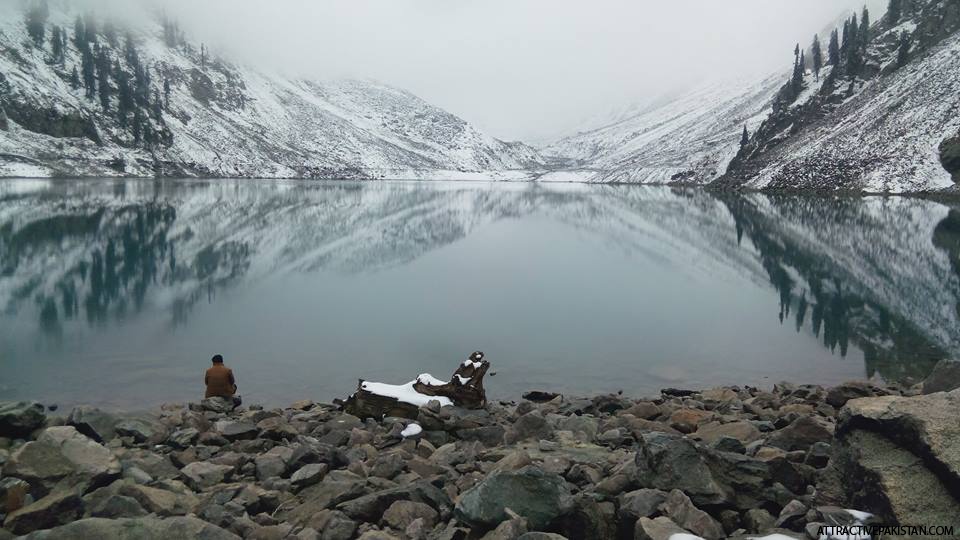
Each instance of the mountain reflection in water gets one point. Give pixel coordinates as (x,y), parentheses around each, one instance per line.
(92,272)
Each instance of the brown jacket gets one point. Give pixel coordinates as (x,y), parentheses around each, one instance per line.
(220,381)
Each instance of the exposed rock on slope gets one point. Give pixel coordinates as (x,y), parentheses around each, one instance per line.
(217,119)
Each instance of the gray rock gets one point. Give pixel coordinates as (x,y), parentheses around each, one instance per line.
(401,514)
(661,528)
(54,509)
(801,434)
(840,394)
(529,426)
(234,430)
(333,525)
(370,508)
(200,475)
(308,475)
(944,377)
(536,535)
(62,455)
(729,444)
(589,520)
(681,510)
(743,431)
(508,530)
(182,438)
(273,463)
(93,422)
(162,502)
(138,475)
(757,520)
(217,405)
(20,418)
(531,493)
(490,436)
(640,503)
(13,494)
(142,430)
(898,457)
(135,529)
(117,506)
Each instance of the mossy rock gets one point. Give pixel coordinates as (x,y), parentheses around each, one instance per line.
(950,156)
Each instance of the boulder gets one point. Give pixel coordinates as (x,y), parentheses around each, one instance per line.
(93,422)
(370,508)
(401,514)
(508,530)
(183,438)
(743,431)
(161,501)
(899,458)
(681,510)
(661,528)
(802,433)
(944,377)
(308,475)
(273,463)
(13,494)
(117,506)
(135,529)
(62,454)
(640,503)
(19,418)
(200,475)
(141,430)
(688,420)
(54,509)
(529,426)
(538,496)
(234,430)
(839,395)
(219,405)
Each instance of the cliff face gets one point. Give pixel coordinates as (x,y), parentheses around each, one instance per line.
(145,102)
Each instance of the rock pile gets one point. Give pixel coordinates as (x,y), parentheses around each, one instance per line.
(725,462)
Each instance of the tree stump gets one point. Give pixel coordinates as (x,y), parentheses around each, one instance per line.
(465,389)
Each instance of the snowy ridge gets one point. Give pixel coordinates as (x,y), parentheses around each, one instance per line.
(232,121)
(690,138)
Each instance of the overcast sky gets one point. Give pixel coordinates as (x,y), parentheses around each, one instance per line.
(518,69)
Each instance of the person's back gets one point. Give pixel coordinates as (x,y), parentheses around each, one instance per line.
(219,380)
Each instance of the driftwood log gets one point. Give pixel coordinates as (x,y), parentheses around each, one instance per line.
(465,389)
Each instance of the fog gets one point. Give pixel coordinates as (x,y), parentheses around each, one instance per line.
(519,69)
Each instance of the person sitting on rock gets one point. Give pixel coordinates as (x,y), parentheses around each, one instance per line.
(220,381)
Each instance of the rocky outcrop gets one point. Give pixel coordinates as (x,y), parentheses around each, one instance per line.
(899,457)
(19,418)
(944,377)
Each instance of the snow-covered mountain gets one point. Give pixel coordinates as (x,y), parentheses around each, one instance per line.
(690,138)
(196,115)
(890,126)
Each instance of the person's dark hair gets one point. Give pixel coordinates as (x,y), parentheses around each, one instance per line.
(217,359)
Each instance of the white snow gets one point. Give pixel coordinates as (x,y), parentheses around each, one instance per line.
(430,380)
(685,536)
(462,379)
(411,431)
(860,515)
(405,393)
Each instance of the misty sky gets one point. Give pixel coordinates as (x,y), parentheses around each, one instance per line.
(519,69)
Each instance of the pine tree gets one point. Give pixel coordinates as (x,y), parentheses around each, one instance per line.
(37,17)
(745,138)
(75,79)
(88,69)
(864,34)
(79,33)
(166,93)
(833,49)
(854,58)
(126,102)
(157,106)
(817,56)
(103,79)
(903,52)
(137,126)
(56,46)
(203,56)
(845,43)
(894,11)
(796,82)
(854,32)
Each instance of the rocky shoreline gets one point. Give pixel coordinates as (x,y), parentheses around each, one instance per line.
(731,462)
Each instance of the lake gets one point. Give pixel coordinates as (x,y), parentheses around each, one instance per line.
(117,292)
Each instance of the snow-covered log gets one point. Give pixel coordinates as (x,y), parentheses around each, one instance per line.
(464,389)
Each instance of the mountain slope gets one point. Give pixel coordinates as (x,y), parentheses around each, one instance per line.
(217,119)
(875,125)
(689,139)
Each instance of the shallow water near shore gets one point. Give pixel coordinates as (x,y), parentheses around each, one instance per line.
(117,292)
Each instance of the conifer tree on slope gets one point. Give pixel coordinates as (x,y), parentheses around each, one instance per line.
(745,138)
(817,56)
(894,11)
(864,34)
(833,49)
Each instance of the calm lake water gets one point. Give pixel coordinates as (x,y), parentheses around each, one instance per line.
(117,293)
